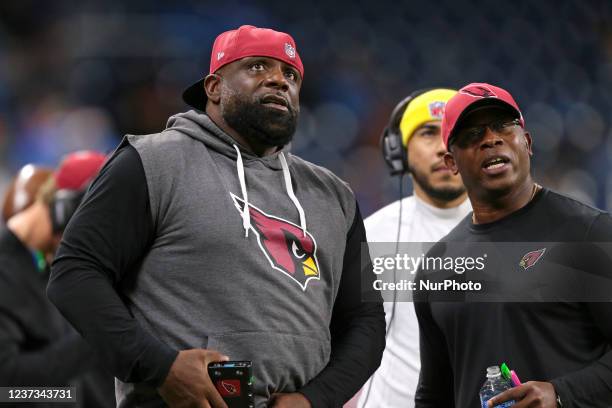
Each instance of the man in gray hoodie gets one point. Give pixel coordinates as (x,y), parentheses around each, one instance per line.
(211,236)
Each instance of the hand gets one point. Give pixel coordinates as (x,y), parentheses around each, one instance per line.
(188,384)
(532,394)
(291,400)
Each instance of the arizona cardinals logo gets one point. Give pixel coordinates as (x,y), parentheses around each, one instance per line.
(530,258)
(284,244)
(228,388)
(436,109)
(479,92)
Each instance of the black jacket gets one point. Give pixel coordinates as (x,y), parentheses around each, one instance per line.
(37,346)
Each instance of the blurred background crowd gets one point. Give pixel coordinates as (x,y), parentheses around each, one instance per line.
(79,75)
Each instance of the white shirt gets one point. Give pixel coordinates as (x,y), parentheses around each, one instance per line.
(394,383)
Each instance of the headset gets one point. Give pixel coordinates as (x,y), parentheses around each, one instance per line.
(393,149)
(395,155)
(63,206)
(73,178)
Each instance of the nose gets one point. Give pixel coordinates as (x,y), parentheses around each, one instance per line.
(276,79)
(490,139)
(440,146)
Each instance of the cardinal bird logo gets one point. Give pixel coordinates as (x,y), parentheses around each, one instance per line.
(479,91)
(530,258)
(284,244)
(228,388)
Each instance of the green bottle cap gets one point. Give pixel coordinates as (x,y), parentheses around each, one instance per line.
(505,371)
(41,262)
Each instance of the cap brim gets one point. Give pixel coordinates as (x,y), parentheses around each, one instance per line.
(479,105)
(195,95)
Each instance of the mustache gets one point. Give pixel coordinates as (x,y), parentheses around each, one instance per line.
(437,165)
(278,98)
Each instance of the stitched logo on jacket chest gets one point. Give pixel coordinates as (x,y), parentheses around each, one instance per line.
(531,258)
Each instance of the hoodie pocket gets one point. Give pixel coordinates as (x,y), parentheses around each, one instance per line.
(282,362)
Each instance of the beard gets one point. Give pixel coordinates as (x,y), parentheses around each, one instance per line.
(256,122)
(444,194)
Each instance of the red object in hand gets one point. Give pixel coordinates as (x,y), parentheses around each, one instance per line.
(228,388)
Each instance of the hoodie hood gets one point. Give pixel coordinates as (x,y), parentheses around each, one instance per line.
(191,123)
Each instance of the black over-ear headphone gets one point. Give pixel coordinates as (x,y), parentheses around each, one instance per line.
(63,207)
(393,150)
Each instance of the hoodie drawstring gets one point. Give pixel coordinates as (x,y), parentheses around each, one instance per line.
(290,192)
(246,216)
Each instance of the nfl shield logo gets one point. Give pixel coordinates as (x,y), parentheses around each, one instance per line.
(289,50)
(436,109)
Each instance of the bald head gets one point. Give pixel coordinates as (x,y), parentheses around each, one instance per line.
(23,189)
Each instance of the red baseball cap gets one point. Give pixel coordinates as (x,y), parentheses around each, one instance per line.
(470,97)
(78,169)
(246,41)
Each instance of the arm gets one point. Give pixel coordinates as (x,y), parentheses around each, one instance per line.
(105,239)
(592,386)
(54,365)
(357,330)
(435,387)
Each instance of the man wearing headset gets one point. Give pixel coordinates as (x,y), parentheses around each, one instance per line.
(412,143)
(38,348)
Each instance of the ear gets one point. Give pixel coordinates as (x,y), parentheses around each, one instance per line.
(212,86)
(528,142)
(449,161)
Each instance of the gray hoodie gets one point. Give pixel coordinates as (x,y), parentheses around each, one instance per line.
(247,257)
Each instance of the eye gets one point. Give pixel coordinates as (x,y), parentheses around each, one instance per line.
(428,133)
(291,75)
(296,251)
(257,66)
(506,126)
(474,133)
(471,135)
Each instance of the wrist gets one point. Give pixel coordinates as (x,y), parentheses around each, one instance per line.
(561,394)
(559,402)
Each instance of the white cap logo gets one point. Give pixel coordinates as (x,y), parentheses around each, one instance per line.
(220,55)
(289,50)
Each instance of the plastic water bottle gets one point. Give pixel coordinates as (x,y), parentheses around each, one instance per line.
(494,385)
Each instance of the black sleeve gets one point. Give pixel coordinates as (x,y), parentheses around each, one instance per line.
(103,243)
(357,329)
(592,386)
(52,366)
